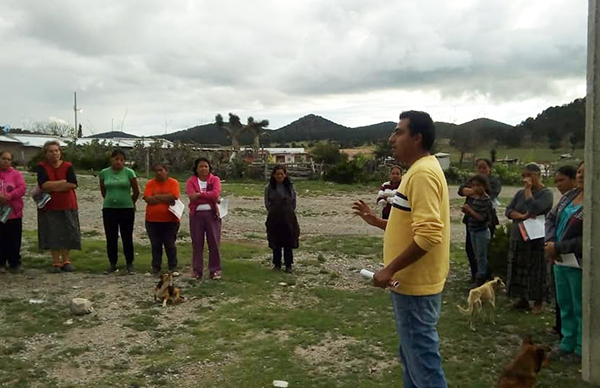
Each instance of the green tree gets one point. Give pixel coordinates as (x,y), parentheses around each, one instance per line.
(383,149)
(465,140)
(328,153)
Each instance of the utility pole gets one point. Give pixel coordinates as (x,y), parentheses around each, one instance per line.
(590,337)
(75,108)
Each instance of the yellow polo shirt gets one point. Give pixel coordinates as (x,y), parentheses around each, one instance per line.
(420,213)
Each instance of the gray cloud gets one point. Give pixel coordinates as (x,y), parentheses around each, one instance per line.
(185,61)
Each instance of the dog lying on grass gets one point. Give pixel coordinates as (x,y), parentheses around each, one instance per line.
(165,291)
(480,295)
(523,371)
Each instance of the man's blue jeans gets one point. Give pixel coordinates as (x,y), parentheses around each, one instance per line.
(480,239)
(416,320)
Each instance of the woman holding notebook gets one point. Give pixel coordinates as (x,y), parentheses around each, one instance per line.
(564,245)
(162,224)
(204,191)
(526,259)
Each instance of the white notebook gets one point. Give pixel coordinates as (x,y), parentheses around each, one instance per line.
(223,207)
(568,260)
(535,227)
(177,208)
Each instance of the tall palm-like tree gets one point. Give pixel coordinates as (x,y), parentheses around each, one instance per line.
(234,129)
(258,130)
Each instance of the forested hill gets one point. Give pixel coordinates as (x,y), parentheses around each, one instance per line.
(111,135)
(308,128)
(558,125)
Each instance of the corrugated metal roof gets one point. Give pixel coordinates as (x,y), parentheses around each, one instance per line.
(6,139)
(30,140)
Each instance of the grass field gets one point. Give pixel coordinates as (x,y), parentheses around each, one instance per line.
(533,154)
(320,327)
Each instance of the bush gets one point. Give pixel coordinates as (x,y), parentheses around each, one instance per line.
(498,252)
(457,176)
(328,153)
(509,175)
(344,172)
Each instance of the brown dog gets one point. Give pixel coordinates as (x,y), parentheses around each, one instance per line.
(523,371)
(479,295)
(166,291)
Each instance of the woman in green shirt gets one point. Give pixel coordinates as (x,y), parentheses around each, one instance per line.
(120,191)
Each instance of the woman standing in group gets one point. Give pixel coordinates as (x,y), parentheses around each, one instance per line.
(526,264)
(482,167)
(161,224)
(565,180)
(12,190)
(120,191)
(58,220)
(388,190)
(564,237)
(204,191)
(283,231)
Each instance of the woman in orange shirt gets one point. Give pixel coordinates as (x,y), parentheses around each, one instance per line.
(161,224)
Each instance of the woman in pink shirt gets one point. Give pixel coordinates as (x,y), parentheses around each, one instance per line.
(204,191)
(12,190)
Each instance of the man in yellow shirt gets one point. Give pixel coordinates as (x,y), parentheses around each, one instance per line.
(416,249)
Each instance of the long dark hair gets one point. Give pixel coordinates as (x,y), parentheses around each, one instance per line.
(287,183)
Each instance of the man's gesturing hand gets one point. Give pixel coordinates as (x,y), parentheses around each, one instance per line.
(363,210)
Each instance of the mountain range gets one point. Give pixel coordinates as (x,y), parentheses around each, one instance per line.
(556,124)
(306,129)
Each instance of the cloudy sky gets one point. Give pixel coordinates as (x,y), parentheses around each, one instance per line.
(147,66)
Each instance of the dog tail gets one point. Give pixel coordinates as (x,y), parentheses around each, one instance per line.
(466,311)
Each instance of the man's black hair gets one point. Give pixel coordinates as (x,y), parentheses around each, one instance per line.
(420,122)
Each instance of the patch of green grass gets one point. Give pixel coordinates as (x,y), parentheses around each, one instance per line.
(143,322)
(303,188)
(71,352)
(42,318)
(348,245)
(14,348)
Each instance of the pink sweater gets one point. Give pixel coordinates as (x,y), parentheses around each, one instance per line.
(210,196)
(12,185)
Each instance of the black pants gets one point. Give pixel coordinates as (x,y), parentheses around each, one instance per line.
(288,256)
(163,233)
(10,242)
(115,221)
(471,254)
